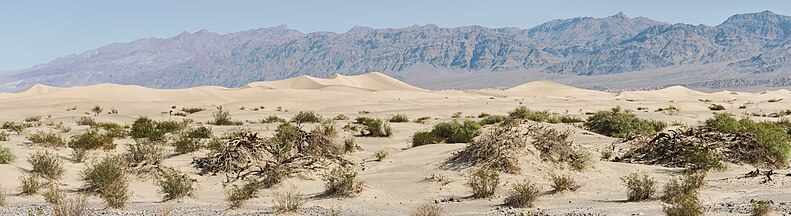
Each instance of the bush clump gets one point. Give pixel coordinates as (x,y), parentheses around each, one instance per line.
(144,152)
(640,186)
(398,118)
(771,135)
(46,164)
(428,210)
(3,136)
(191,110)
(374,127)
(306,117)
(92,139)
(716,107)
(236,196)
(341,181)
(108,179)
(288,201)
(448,132)
(686,185)
(483,182)
(761,208)
(425,137)
(30,184)
(202,132)
(562,183)
(622,123)
(144,127)
(272,119)
(222,117)
(48,139)
(492,119)
(523,195)
(6,156)
(175,185)
(185,144)
(349,145)
(684,205)
(71,206)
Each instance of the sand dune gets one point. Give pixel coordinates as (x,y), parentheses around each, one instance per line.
(373,81)
(549,88)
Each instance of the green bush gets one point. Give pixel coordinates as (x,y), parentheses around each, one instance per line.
(185,144)
(170,126)
(223,118)
(272,119)
(236,196)
(101,176)
(523,112)
(380,155)
(113,130)
(287,136)
(686,185)
(341,181)
(116,193)
(424,138)
(770,135)
(306,117)
(422,120)
(428,210)
(622,123)
(46,164)
(144,127)
(374,127)
(761,208)
(492,119)
(30,184)
(6,156)
(92,139)
(3,136)
(54,195)
(340,117)
(684,205)
(33,119)
(455,132)
(97,109)
(580,161)
(348,145)
(48,139)
(562,183)
(483,182)
(399,118)
(85,120)
(215,144)
(191,110)
(175,185)
(144,152)
(640,186)
(716,107)
(523,195)
(78,155)
(199,132)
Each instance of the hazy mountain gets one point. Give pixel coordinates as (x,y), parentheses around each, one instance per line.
(753,46)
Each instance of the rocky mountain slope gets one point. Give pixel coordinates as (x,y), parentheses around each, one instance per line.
(755,46)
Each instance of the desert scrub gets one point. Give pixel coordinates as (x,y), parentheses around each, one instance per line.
(374,127)
(428,210)
(97,177)
(761,208)
(175,185)
(580,161)
(71,206)
(492,119)
(191,110)
(144,152)
(771,135)
(170,126)
(3,136)
(607,155)
(222,117)
(341,181)
(85,120)
(97,109)
(6,156)
(199,132)
(215,144)
(185,144)
(561,183)
(54,195)
(288,201)
(684,205)
(425,137)
(523,195)
(30,184)
(113,130)
(32,118)
(685,185)
(78,155)
(46,164)
(144,127)
(483,182)
(116,193)
(399,118)
(456,115)
(422,120)
(639,186)
(448,132)
(236,196)
(51,139)
(272,119)
(523,112)
(622,123)
(326,128)
(716,107)
(340,117)
(306,117)
(92,139)
(349,145)
(3,199)
(380,155)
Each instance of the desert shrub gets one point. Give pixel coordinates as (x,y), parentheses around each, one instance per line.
(33,118)
(85,120)
(455,132)
(170,126)
(3,136)
(236,196)
(326,128)
(399,118)
(116,193)
(99,176)
(607,154)
(288,201)
(483,182)
(112,130)
(622,123)
(523,195)
(492,119)
(306,117)
(422,120)
(716,107)
(92,139)
(340,117)
(684,205)
(97,109)
(348,145)
(562,183)
(185,144)
(523,112)
(144,152)
(191,110)
(6,156)
(30,184)
(580,160)
(639,186)
(54,195)
(286,136)
(428,210)
(46,164)
(425,137)
(3,199)
(215,144)
(272,119)
(71,206)
(174,185)
(375,127)
(78,155)
(341,181)
(686,185)
(48,139)
(456,115)
(569,119)
(223,118)
(761,208)
(144,127)
(772,136)
(380,155)
(15,127)
(199,132)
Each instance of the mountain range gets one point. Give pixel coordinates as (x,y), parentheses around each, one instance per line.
(746,50)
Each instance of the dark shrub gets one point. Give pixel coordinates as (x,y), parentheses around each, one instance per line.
(306,117)
(492,119)
(399,118)
(622,123)
(455,132)
(92,139)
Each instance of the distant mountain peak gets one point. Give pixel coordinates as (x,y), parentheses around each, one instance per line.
(620,15)
(360,29)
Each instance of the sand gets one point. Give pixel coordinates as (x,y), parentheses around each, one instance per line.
(394,186)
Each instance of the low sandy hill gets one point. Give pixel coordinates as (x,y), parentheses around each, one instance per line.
(669,92)
(549,88)
(373,81)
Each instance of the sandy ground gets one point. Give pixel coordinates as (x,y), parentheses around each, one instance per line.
(394,186)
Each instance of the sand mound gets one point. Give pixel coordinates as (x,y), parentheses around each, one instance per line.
(373,81)
(549,88)
(669,92)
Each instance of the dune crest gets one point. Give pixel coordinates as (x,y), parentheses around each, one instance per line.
(373,81)
(549,88)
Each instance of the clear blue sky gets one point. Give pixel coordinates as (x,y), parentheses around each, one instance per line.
(35,32)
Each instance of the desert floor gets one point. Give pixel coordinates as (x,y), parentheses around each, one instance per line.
(394,186)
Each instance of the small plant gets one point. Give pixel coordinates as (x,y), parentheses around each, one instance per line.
(306,117)
(424,138)
(398,118)
(175,185)
(340,117)
(48,139)
(492,119)
(483,182)
(46,164)
(428,210)
(199,132)
(684,205)
(375,127)
(33,119)
(580,161)
(6,156)
(775,100)
(607,155)
(71,206)
(185,144)
(622,123)
(99,177)
(191,110)
(54,195)
(523,195)
(215,144)
(716,107)
(456,115)
(3,136)
(640,186)
(348,145)
(92,139)
(686,185)
(78,155)
(341,181)
(97,109)
(422,120)
(562,183)
(272,119)
(761,208)
(288,201)
(116,193)
(30,184)
(380,155)
(223,118)
(450,132)
(3,199)
(236,196)
(144,152)
(85,120)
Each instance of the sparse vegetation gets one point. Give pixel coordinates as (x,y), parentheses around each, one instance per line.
(492,119)
(639,186)
(92,139)
(46,164)
(425,137)
(78,155)
(428,210)
(686,185)
(32,118)
(580,160)
(97,109)
(761,208)
(237,196)
(684,205)
(670,110)
(6,156)
(222,117)
(3,136)
(607,155)
(483,182)
(199,132)
(456,115)
(272,119)
(772,136)
(523,195)
(398,118)
(288,201)
(107,178)
(340,117)
(54,195)
(523,112)
(449,132)
(191,110)
(3,199)
(349,145)
(561,183)
(380,155)
(143,152)
(175,185)
(341,181)
(716,107)
(374,127)
(71,206)
(185,144)
(144,127)
(51,139)
(306,117)
(422,120)
(622,123)
(30,184)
